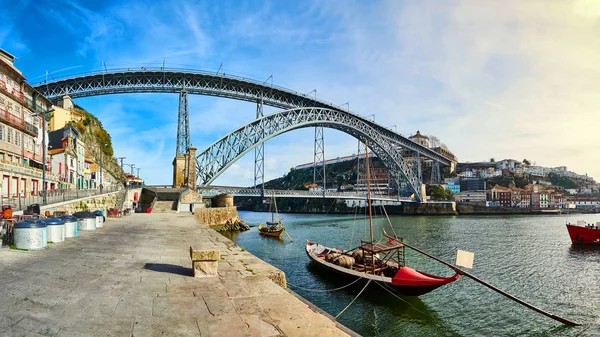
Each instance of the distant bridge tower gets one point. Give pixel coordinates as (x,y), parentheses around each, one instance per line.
(183,125)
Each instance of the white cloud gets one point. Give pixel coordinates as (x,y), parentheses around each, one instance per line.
(495,79)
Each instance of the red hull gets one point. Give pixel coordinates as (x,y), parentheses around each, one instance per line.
(584,236)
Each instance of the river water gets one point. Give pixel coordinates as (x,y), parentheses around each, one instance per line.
(530,257)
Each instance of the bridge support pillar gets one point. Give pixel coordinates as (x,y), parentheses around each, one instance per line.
(319,158)
(259,153)
(184,169)
(183,125)
(435,173)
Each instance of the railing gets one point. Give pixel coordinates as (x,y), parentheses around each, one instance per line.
(33,130)
(30,171)
(20,202)
(251,192)
(18,94)
(18,122)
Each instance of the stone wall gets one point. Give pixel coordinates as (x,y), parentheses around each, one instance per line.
(222,200)
(430,208)
(471,208)
(129,197)
(216,216)
(100,202)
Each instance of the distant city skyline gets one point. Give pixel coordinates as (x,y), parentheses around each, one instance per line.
(506,79)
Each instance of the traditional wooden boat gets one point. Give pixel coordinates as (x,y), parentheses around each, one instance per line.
(584,234)
(274,227)
(379,262)
(382,262)
(271,229)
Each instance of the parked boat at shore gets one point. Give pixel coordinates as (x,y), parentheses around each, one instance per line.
(584,234)
(382,262)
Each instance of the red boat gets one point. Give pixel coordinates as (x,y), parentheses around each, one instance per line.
(386,270)
(584,234)
(382,262)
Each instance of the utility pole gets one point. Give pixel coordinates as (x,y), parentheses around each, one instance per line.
(138,170)
(121,159)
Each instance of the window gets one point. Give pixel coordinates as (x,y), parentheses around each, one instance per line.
(9,138)
(34,187)
(1,131)
(17,138)
(22,189)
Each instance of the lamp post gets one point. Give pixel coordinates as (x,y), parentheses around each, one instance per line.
(44,150)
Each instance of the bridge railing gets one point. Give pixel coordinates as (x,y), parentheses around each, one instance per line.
(20,202)
(251,192)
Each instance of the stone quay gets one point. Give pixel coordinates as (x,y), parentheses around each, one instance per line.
(134,277)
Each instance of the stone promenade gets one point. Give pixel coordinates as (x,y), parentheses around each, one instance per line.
(134,278)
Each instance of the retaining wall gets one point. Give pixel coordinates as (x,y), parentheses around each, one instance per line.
(216,216)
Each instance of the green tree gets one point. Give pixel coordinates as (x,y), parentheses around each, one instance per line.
(438,192)
(526,162)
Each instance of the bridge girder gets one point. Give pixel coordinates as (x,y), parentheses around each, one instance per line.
(203,83)
(213,161)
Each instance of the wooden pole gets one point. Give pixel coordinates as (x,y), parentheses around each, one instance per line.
(369,203)
(473,277)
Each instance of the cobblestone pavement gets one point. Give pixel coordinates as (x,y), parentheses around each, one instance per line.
(133,277)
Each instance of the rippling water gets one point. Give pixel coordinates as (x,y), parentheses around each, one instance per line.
(530,257)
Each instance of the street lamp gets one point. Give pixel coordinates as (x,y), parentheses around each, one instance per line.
(44,149)
(100,146)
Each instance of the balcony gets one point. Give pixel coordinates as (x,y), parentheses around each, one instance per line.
(18,123)
(29,103)
(18,95)
(11,168)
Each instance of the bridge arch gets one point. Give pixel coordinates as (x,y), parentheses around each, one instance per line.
(215,159)
(162,80)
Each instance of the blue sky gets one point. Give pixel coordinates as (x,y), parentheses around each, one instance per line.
(508,79)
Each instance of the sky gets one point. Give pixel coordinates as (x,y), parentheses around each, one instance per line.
(491,79)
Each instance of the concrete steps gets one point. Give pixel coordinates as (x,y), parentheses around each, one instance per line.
(165,206)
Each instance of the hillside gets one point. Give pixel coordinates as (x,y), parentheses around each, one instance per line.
(93,134)
(337,174)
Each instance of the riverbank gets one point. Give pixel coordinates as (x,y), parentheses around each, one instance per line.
(339,206)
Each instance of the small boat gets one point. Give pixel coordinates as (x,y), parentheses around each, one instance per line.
(274,227)
(271,229)
(382,262)
(584,234)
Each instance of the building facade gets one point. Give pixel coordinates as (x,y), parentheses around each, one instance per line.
(21,155)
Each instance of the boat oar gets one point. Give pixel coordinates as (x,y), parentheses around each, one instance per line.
(284,230)
(462,272)
(286,233)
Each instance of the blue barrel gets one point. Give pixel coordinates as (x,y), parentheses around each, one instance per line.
(56,229)
(99,218)
(71,228)
(30,234)
(86,221)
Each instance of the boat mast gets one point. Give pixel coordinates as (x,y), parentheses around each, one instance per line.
(369,190)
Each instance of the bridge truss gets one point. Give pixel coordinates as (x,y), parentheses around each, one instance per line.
(385,143)
(221,85)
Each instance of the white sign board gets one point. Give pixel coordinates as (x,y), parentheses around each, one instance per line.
(464,258)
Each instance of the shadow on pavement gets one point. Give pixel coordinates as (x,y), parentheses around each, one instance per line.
(169,268)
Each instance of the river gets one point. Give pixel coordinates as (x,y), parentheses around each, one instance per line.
(530,257)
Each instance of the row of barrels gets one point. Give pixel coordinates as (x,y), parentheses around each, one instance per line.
(36,233)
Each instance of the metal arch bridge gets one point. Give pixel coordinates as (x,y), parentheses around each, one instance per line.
(213,161)
(212,191)
(214,84)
